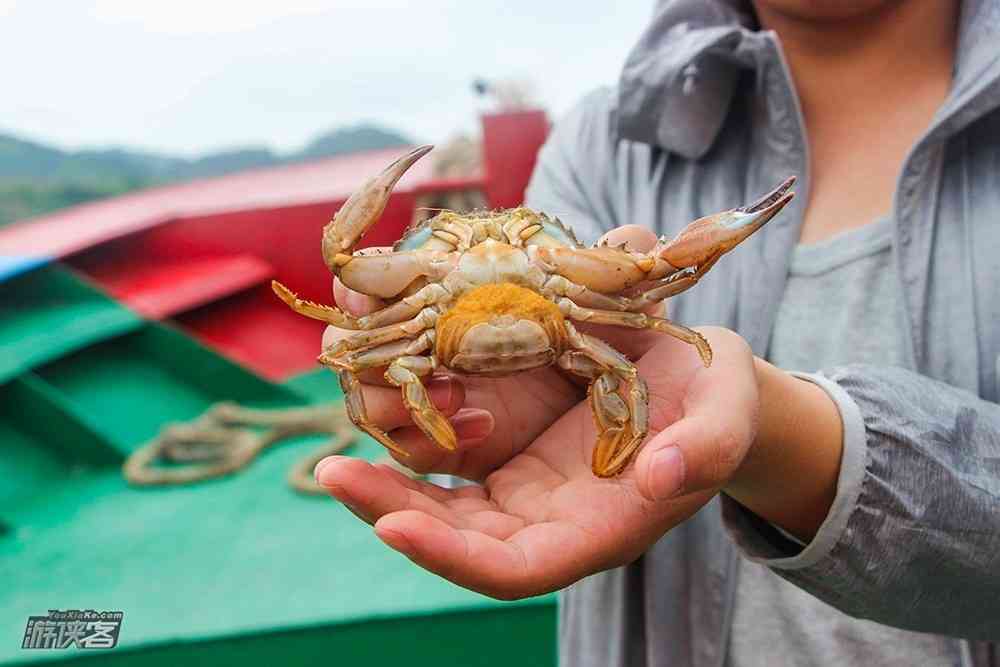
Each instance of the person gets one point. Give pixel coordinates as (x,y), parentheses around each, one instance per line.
(828,491)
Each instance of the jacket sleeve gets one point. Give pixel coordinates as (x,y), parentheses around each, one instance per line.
(572,179)
(912,539)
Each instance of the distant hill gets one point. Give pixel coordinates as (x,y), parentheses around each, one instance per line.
(36,178)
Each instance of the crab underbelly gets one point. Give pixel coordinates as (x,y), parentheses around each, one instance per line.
(499,329)
(502,347)
(495,263)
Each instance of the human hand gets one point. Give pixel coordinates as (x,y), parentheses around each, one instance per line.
(542,520)
(494,418)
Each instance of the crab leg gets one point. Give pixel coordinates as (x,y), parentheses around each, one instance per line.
(609,410)
(580,364)
(317,311)
(381,275)
(405,372)
(631,421)
(705,240)
(613,270)
(583,296)
(354,401)
(671,285)
(404,309)
(374,337)
(622,423)
(362,210)
(603,269)
(347,369)
(387,275)
(360,360)
(638,321)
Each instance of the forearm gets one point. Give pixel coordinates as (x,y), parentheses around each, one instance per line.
(912,538)
(790,474)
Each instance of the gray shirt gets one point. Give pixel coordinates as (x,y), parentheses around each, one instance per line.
(705,117)
(839,305)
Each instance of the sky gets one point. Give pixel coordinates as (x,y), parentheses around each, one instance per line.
(190,77)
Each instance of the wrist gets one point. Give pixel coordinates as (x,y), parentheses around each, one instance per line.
(789,476)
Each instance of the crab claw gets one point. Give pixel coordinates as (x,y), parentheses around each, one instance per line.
(715,235)
(362,210)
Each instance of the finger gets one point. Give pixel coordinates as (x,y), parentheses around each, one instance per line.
(375,376)
(472,426)
(371,493)
(703,449)
(635,237)
(504,569)
(433,490)
(470,501)
(356,512)
(451,496)
(493,523)
(333,334)
(698,454)
(353,302)
(386,409)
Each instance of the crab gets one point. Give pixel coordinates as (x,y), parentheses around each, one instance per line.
(494,293)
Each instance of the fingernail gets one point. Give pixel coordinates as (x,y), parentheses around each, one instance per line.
(395,539)
(666,473)
(472,424)
(441,392)
(318,470)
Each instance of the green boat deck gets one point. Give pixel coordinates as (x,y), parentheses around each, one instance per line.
(239,570)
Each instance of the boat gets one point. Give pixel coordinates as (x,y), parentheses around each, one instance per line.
(123,316)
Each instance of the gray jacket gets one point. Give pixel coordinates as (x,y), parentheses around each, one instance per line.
(705,117)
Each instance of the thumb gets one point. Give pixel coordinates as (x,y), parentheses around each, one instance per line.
(703,450)
(635,237)
(354,302)
(694,454)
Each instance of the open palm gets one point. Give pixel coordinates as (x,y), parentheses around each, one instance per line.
(542,520)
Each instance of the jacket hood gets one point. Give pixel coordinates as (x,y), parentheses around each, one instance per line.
(678,81)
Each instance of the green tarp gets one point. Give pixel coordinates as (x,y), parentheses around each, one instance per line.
(239,570)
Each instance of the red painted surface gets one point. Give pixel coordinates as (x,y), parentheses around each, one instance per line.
(203,253)
(199,269)
(510,145)
(163,286)
(287,238)
(257,330)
